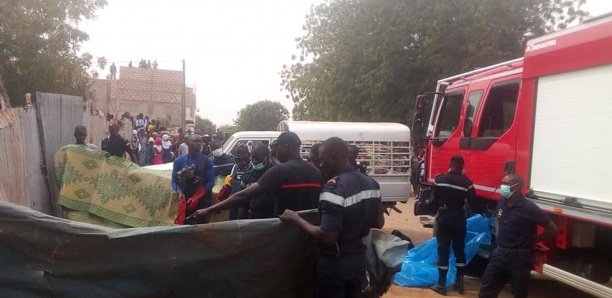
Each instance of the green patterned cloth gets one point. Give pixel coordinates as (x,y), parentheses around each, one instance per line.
(112,191)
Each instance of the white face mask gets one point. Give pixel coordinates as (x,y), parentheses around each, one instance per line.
(217,152)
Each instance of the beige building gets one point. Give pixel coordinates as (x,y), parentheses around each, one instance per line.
(153,92)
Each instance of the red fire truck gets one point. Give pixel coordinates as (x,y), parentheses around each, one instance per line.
(548,118)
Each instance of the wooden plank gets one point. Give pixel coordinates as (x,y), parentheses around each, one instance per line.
(12,175)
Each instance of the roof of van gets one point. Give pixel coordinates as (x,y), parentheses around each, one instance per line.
(349,131)
(260,134)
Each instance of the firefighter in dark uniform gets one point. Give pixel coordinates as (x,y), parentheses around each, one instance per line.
(516,231)
(349,206)
(450,191)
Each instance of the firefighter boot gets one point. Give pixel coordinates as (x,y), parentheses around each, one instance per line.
(458,286)
(440,288)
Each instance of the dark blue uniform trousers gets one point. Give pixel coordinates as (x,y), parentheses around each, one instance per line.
(451,230)
(340,276)
(507,264)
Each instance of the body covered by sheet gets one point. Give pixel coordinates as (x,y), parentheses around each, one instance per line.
(115,192)
(420,269)
(45,256)
(113,188)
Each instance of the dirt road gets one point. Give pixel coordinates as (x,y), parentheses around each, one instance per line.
(409,224)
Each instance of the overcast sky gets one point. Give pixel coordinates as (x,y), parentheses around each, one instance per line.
(234,49)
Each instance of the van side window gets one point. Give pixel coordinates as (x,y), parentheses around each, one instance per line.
(448,119)
(499,110)
(248,143)
(472,108)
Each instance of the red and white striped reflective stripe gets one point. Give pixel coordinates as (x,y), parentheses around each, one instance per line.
(301,185)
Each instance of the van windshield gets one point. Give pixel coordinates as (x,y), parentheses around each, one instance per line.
(227,143)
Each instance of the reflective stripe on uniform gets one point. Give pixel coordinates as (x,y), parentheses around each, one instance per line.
(453,186)
(352,200)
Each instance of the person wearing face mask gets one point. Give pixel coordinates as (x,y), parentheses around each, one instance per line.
(223,163)
(450,191)
(242,160)
(260,206)
(516,229)
(295,184)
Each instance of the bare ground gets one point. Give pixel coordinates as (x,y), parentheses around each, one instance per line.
(409,224)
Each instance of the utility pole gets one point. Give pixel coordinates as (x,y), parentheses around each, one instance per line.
(183,116)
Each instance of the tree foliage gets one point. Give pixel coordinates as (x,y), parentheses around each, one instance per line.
(39,45)
(262,115)
(229,129)
(366,60)
(205,126)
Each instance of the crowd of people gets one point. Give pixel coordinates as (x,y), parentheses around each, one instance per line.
(274,181)
(153,144)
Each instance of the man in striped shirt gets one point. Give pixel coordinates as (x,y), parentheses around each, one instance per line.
(349,206)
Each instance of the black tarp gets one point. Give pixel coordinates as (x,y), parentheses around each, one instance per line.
(46,256)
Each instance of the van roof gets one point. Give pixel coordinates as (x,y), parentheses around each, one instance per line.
(260,134)
(349,131)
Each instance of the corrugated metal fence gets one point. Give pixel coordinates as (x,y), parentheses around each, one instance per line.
(29,139)
(21,178)
(58,116)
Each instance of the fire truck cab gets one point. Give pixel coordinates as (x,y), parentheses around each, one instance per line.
(546,118)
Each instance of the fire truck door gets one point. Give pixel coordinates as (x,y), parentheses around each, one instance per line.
(446,135)
(491,145)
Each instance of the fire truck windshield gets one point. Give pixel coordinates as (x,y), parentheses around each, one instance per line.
(448,115)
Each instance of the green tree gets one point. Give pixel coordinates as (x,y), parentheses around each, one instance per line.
(39,45)
(204,125)
(229,129)
(366,60)
(262,115)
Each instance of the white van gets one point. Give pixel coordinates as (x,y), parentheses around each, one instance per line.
(384,147)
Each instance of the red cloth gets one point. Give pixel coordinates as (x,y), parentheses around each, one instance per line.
(188,206)
(224,193)
(181,213)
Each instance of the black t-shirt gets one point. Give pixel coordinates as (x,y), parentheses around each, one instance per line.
(116,145)
(350,204)
(294,185)
(517,225)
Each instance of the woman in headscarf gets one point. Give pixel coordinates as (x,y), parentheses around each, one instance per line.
(149,151)
(157,152)
(166,148)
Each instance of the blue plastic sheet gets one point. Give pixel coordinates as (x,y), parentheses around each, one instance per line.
(420,268)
